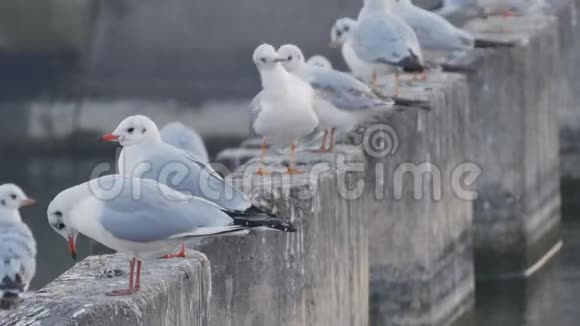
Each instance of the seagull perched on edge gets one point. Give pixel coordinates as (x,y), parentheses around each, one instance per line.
(382,38)
(17,249)
(341,101)
(341,36)
(143,219)
(437,33)
(146,156)
(283,112)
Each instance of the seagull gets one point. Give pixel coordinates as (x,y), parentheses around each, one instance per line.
(146,156)
(382,38)
(319,61)
(341,100)
(18,249)
(283,112)
(185,138)
(341,36)
(438,34)
(143,218)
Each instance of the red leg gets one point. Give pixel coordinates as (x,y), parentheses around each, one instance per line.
(331,146)
(130,290)
(180,254)
(291,169)
(138,277)
(264,148)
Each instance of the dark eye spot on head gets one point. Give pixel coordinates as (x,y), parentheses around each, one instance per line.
(58,214)
(144,130)
(338,33)
(289,57)
(263,60)
(3,202)
(346,28)
(13,196)
(130,130)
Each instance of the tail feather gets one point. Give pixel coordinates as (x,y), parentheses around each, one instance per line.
(485,44)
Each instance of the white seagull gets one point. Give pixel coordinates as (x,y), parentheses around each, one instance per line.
(341,36)
(319,61)
(283,112)
(341,101)
(17,249)
(385,39)
(143,219)
(186,138)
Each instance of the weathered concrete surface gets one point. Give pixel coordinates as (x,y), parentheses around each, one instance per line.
(514,139)
(420,245)
(173,292)
(317,276)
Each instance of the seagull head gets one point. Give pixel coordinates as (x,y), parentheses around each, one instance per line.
(265,57)
(12,197)
(59,219)
(291,57)
(319,61)
(341,31)
(134,130)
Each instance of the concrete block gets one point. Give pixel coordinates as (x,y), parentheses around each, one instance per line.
(317,276)
(515,98)
(174,292)
(420,246)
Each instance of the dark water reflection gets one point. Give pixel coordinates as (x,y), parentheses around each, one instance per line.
(551,297)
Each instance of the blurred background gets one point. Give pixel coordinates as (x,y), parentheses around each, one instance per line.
(70,70)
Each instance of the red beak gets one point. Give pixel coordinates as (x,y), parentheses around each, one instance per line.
(27,202)
(72,247)
(108,138)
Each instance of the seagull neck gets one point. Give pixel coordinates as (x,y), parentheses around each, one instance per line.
(10,215)
(273,80)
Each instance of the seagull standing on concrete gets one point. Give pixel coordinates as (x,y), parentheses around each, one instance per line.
(143,219)
(283,112)
(319,61)
(146,156)
(17,249)
(381,38)
(185,138)
(341,36)
(341,100)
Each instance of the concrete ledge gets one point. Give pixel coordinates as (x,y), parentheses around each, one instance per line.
(317,276)
(174,292)
(514,135)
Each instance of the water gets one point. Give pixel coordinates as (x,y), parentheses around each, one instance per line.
(549,298)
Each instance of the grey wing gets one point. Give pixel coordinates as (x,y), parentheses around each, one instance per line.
(182,172)
(435,32)
(159,214)
(255,108)
(17,258)
(344,91)
(377,39)
(187,139)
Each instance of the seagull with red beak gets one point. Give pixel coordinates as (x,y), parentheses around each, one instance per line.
(17,249)
(143,219)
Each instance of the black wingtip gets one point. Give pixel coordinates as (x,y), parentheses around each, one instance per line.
(458,69)
(420,104)
(489,44)
(255,217)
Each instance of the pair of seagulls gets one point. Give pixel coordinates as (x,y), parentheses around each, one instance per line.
(162,196)
(297,97)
